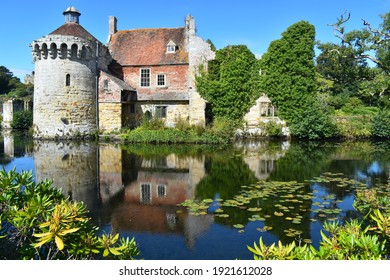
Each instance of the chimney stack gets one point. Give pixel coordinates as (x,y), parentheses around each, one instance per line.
(112,25)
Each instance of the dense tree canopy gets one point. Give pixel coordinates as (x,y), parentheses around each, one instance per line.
(231,82)
(11,85)
(338,64)
(288,70)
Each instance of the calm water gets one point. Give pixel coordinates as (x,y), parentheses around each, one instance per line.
(277,190)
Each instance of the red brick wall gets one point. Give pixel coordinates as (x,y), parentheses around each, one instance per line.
(176,78)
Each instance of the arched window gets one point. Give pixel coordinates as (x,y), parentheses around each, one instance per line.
(64,51)
(74,51)
(53,51)
(67,80)
(37,52)
(44,51)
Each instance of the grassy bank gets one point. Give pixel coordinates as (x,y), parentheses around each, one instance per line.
(154,131)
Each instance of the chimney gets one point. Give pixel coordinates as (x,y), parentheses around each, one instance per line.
(112,25)
(190,25)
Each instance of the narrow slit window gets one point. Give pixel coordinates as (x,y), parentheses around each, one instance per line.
(67,80)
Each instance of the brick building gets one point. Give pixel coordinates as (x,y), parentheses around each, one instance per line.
(82,84)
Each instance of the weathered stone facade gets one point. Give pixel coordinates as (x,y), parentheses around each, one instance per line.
(82,85)
(67,65)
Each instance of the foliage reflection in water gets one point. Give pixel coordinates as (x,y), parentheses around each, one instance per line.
(206,202)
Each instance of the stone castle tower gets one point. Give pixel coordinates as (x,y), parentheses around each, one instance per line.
(67,66)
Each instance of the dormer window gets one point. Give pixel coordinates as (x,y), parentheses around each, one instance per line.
(171,47)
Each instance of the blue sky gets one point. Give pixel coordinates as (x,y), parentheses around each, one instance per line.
(254,23)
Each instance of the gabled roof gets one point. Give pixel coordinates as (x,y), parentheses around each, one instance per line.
(144,47)
(74,29)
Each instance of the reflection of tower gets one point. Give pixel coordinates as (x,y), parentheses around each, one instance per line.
(9,144)
(67,63)
(71,166)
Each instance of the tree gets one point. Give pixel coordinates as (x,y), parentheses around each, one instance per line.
(290,81)
(338,64)
(5,77)
(367,40)
(231,82)
(288,70)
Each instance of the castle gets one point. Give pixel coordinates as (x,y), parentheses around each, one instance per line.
(82,85)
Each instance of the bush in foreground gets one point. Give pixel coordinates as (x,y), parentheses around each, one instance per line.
(38,222)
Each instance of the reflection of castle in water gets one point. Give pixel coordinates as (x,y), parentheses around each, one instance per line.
(138,193)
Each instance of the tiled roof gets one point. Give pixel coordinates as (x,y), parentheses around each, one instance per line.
(148,46)
(122,84)
(74,29)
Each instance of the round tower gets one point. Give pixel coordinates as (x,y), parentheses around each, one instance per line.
(67,65)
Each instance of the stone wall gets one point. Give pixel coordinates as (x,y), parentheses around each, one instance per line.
(199,52)
(65,91)
(110,116)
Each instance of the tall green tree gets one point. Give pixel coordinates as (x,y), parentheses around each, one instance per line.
(231,82)
(288,71)
(289,79)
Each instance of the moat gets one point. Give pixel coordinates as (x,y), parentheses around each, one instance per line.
(207,202)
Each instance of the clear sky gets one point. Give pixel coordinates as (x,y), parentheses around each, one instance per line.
(254,23)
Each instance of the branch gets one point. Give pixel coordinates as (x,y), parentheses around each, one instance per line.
(338,29)
(382,35)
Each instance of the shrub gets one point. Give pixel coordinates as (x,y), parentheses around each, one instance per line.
(381,125)
(271,129)
(314,124)
(355,127)
(22,120)
(40,223)
(153,123)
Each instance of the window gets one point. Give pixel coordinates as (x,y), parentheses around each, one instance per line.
(105,84)
(161,191)
(161,112)
(146,195)
(67,80)
(145,77)
(171,49)
(160,80)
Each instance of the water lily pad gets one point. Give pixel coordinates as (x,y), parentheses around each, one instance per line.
(279,214)
(254,209)
(309,241)
(222,215)
(238,226)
